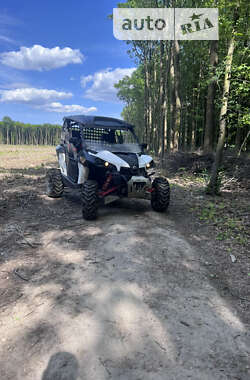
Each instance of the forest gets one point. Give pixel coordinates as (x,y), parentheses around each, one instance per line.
(17,133)
(192,95)
(183,91)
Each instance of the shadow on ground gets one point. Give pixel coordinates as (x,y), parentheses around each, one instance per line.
(126,295)
(61,366)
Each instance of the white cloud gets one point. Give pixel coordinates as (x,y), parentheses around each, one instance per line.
(40,58)
(7,39)
(12,86)
(71,108)
(43,99)
(32,95)
(85,80)
(102,88)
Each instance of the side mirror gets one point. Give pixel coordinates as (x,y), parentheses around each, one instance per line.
(144,146)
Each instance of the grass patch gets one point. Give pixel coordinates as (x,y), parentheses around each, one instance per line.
(226,215)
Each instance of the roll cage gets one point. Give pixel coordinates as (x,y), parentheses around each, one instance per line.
(94,128)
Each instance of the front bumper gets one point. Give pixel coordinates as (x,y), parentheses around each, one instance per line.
(139,187)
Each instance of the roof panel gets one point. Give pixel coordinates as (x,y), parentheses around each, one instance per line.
(99,121)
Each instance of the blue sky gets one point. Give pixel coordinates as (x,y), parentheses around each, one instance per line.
(59,58)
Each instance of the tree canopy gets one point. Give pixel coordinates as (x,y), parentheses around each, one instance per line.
(176,94)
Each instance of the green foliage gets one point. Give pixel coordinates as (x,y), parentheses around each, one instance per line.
(239,113)
(131,91)
(203,177)
(228,225)
(195,75)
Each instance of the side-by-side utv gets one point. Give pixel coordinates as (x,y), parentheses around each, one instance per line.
(102,158)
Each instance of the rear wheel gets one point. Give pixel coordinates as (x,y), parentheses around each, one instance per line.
(161,195)
(54,183)
(89,200)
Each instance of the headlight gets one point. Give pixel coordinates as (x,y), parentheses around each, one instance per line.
(104,164)
(150,164)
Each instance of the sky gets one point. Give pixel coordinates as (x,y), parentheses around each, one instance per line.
(59,58)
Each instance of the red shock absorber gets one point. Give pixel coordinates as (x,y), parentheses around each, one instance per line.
(107,182)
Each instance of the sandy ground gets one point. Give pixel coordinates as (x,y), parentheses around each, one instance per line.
(125,297)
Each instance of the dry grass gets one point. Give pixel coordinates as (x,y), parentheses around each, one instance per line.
(25,157)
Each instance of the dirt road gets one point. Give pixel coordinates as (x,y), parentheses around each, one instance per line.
(125,297)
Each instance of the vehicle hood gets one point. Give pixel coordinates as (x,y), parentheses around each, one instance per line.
(122,160)
(112,158)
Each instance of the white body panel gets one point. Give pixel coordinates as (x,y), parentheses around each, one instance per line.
(144,160)
(62,163)
(118,162)
(83,173)
(113,159)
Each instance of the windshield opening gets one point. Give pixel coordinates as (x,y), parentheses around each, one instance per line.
(115,140)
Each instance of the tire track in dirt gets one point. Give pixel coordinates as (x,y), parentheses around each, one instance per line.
(124,297)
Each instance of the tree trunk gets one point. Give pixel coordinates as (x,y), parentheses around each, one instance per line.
(164,70)
(209,126)
(193,138)
(146,99)
(238,136)
(174,137)
(161,98)
(244,143)
(149,102)
(156,108)
(213,186)
(176,59)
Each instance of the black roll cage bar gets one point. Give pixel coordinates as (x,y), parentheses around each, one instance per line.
(83,121)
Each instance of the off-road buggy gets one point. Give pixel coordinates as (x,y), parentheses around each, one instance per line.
(102,158)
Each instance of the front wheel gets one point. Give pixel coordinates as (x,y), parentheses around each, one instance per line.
(161,194)
(54,183)
(89,200)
